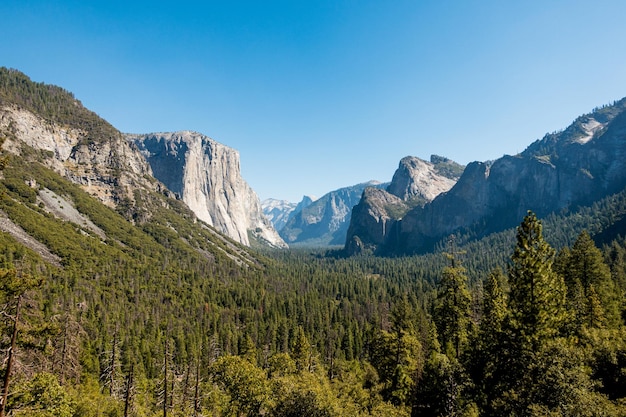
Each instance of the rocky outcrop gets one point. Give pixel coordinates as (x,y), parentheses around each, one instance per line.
(414,183)
(373,219)
(108,169)
(564,170)
(206,176)
(418,179)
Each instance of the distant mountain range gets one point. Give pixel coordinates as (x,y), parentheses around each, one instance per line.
(321,222)
(325,222)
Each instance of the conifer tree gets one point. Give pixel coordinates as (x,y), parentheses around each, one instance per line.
(302,351)
(537,296)
(485,363)
(537,314)
(452,310)
(16,327)
(587,268)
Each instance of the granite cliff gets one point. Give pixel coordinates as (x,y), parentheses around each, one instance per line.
(46,123)
(206,175)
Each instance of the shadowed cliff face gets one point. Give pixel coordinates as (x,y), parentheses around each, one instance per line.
(207,177)
(577,166)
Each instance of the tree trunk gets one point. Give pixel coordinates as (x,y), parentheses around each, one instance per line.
(7,374)
(129,387)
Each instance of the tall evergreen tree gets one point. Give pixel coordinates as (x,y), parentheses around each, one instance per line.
(19,327)
(586,268)
(537,314)
(452,310)
(486,361)
(537,296)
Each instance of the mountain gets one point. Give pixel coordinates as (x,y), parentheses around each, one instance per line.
(47,124)
(564,170)
(70,139)
(278,212)
(207,177)
(324,222)
(415,183)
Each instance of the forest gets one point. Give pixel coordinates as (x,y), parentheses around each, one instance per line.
(141,324)
(157,315)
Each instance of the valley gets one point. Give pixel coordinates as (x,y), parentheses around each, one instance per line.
(139,277)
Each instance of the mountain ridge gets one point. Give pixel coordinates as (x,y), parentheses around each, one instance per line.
(48,124)
(576,166)
(415,183)
(324,221)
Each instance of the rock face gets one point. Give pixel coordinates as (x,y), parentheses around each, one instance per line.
(108,169)
(416,178)
(375,219)
(583,163)
(206,176)
(325,221)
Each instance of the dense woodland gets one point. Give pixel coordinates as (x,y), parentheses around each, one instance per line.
(142,324)
(157,319)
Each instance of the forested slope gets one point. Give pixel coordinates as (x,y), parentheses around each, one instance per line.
(282,331)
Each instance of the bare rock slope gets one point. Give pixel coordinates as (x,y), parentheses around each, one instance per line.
(109,169)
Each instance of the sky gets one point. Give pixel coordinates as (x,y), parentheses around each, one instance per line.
(319,95)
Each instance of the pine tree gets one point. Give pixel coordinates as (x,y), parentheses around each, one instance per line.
(537,314)
(485,362)
(18,326)
(452,310)
(537,296)
(586,266)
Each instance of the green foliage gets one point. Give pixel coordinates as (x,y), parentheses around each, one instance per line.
(452,311)
(303,332)
(593,293)
(447,167)
(42,396)
(52,103)
(537,298)
(244,383)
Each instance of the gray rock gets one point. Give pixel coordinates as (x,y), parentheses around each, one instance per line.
(206,176)
(567,169)
(376,218)
(324,222)
(109,170)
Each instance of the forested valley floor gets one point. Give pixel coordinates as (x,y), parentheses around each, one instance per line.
(141,325)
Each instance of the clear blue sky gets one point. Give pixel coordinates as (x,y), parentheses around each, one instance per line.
(318,95)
